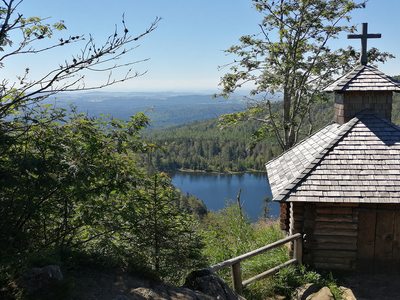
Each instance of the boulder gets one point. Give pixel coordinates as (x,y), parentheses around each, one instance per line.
(200,285)
(323,294)
(347,294)
(210,284)
(304,291)
(312,291)
(162,292)
(36,279)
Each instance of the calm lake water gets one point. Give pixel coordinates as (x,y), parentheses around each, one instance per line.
(216,189)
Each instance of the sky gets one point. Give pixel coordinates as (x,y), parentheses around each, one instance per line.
(187,47)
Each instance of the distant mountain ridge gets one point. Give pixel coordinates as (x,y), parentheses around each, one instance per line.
(168,108)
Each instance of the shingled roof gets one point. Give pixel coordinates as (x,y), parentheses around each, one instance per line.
(358,161)
(364,78)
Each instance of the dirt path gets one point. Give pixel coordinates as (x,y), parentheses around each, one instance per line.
(372,286)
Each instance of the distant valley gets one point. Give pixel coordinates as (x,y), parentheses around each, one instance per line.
(164,108)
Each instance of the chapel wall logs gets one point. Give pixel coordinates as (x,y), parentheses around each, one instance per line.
(330,234)
(362,237)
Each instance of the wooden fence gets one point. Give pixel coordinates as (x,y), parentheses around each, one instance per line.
(238,284)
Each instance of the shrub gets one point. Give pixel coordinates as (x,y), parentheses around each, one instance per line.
(289,278)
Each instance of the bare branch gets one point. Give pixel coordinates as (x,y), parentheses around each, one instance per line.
(68,76)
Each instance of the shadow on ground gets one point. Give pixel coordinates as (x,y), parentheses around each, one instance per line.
(372,286)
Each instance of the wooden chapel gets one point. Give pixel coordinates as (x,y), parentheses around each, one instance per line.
(340,187)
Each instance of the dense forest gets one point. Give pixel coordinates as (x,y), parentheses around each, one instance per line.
(205,146)
(201,145)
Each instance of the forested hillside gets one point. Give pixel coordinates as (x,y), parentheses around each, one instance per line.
(202,145)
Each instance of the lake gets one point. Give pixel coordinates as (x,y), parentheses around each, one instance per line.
(216,189)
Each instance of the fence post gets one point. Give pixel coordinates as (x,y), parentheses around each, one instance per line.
(237,278)
(298,250)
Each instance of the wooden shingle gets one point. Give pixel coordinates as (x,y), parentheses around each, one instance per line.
(364,78)
(358,161)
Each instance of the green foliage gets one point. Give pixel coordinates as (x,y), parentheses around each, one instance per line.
(72,184)
(59,177)
(165,234)
(285,282)
(191,205)
(229,233)
(291,277)
(259,289)
(266,232)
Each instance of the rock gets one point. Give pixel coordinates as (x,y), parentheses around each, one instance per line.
(162,291)
(210,284)
(302,292)
(323,294)
(200,285)
(40,278)
(347,294)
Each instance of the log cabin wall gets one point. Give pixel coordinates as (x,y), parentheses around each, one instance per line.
(330,234)
(362,237)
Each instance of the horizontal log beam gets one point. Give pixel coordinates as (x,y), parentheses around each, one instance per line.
(284,226)
(335,239)
(298,217)
(331,231)
(334,210)
(337,218)
(329,246)
(334,253)
(334,260)
(333,225)
(326,266)
(298,225)
(298,209)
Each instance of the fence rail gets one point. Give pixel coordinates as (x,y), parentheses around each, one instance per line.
(234,263)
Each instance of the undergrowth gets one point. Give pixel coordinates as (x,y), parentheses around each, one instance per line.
(229,233)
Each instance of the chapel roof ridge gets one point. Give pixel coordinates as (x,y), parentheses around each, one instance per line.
(364,78)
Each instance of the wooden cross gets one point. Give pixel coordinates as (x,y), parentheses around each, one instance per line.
(364,36)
